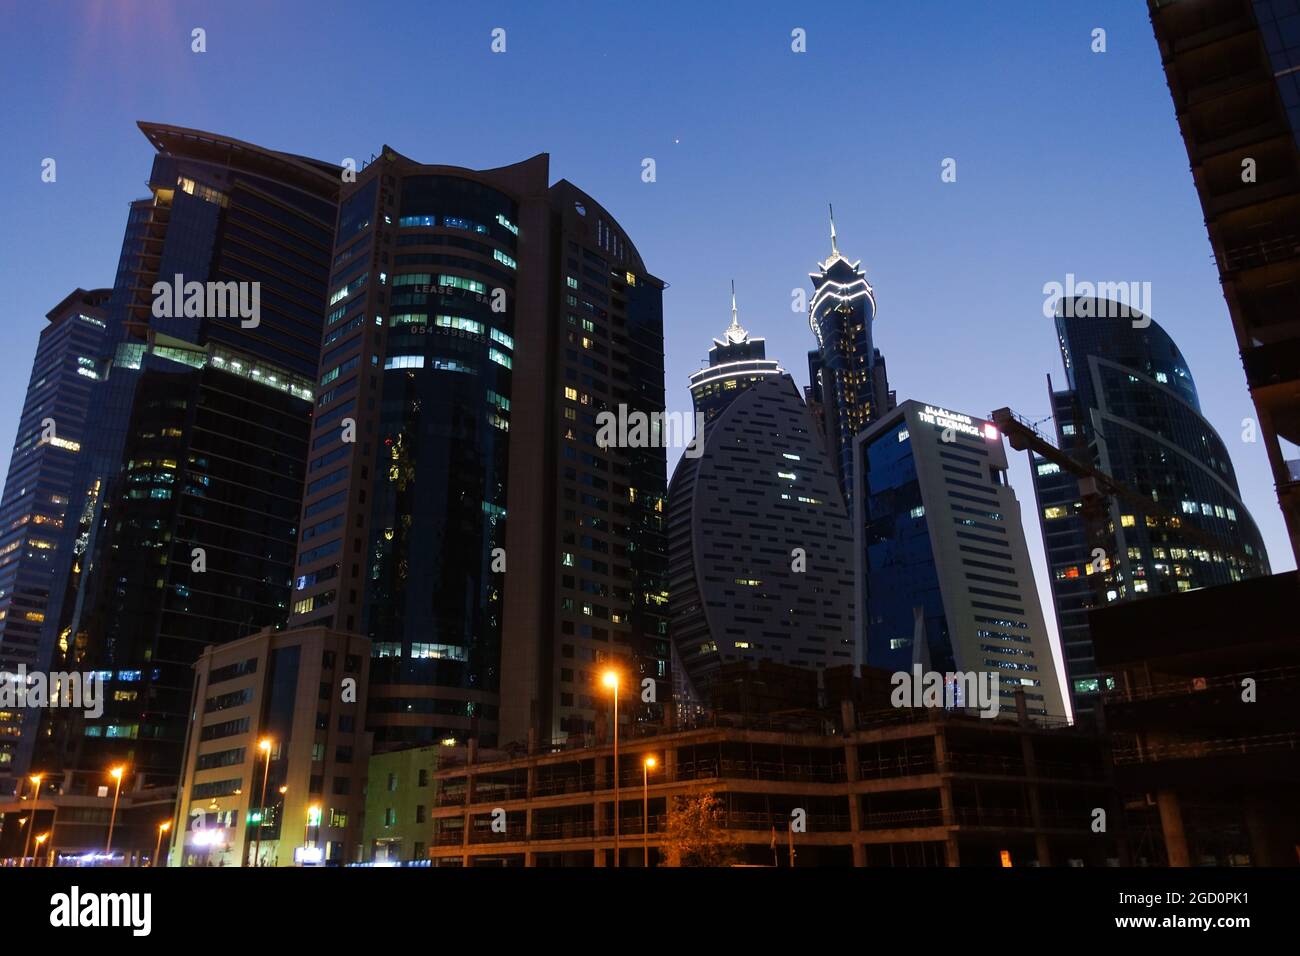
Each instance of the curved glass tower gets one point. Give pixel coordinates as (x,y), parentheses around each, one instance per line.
(1131,411)
(760,548)
(849,384)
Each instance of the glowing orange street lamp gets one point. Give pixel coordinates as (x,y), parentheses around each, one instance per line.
(610,679)
(36,793)
(263,745)
(40,840)
(646,766)
(116,773)
(162,828)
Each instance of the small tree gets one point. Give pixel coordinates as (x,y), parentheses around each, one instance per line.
(695,833)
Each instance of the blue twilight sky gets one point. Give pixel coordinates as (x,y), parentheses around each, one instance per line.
(1068,161)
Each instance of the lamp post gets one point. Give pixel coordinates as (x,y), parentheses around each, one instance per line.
(116,773)
(611,680)
(645,807)
(157,847)
(263,745)
(31,821)
(40,840)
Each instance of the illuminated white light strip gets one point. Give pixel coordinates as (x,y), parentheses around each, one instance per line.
(758,370)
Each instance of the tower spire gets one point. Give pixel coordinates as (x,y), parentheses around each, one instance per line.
(834,249)
(734,332)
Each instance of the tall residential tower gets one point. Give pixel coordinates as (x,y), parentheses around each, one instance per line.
(849,383)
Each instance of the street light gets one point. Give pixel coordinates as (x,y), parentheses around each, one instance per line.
(263,745)
(40,840)
(162,828)
(31,825)
(116,773)
(610,679)
(646,767)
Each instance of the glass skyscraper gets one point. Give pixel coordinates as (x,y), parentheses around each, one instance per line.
(1130,410)
(51,432)
(183,517)
(943,572)
(849,383)
(474,530)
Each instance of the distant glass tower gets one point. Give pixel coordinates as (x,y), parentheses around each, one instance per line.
(1131,411)
(760,548)
(943,568)
(51,430)
(847,375)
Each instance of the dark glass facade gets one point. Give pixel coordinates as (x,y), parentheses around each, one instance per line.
(477,323)
(849,380)
(402,526)
(39,486)
(212,397)
(1131,411)
(943,570)
(214,463)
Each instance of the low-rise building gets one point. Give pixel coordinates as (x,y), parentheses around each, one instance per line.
(902,787)
(276,754)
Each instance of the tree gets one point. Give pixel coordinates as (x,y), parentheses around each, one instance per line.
(696,834)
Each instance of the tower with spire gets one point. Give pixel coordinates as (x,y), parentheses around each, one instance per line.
(848,385)
(736,361)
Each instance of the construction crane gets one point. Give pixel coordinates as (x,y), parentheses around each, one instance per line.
(1095,486)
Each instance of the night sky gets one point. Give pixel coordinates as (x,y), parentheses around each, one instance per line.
(1068,161)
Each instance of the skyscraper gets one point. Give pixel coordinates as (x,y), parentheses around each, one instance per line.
(1231,67)
(51,431)
(458,511)
(182,525)
(1130,410)
(943,572)
(736,361)
(848,380)
(761,560)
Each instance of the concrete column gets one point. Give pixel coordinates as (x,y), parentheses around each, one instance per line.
(852,774)
(1027,756)
(1265,845)
(1171,823)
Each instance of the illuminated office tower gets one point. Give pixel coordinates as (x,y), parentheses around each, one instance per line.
(849,384)
(470,526)
(943,572)
(51,430)
(1130,410)
(182,525)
